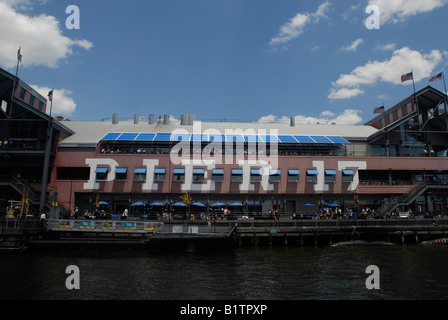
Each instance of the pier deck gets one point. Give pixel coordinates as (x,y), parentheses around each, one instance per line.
(239,232)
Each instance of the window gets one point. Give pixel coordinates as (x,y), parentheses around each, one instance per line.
(274,175)
(198,174)
(32,100)
(101,173)
(159,174)
(255,175)
(140,174)
(347,175)
(237,175)
(311,175)
(22,93)
(218,175)
(330,175)
(41,105)
(293,175)
(121,173)
(179,174)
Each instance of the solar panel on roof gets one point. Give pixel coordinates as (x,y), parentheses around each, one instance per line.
(128,136)
(145,137)
(252,138)
(163,137)
(235,138)
(217,137)
(287,139)
(270,138)
(304,139)
(337,139)
(320,139)
(111,136)
(181,137)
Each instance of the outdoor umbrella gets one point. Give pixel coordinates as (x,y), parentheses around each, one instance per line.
(218,204)
(179,204)
(105,202)
(308,205)
(138,203)
(236,204)
(157,204)
(333,205)
(198,204)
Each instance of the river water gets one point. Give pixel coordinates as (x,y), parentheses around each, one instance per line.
(246,273)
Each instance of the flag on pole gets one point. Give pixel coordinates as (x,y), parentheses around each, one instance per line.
(436,77)
(407,76)
(378,110)
(50,95)
(185,198)
(19,54)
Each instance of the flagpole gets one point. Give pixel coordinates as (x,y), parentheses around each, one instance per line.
(15,81)
(444,99)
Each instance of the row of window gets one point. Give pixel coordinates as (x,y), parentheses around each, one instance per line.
(218,174)
(31,99)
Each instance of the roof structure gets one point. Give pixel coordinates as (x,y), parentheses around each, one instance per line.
(90,133)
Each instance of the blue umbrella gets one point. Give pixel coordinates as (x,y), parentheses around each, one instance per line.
(138,203)
(236,204)
(218,204)
(105,202)
(199,204)
(308,205)
(158,204)
(333,205)
(179,204)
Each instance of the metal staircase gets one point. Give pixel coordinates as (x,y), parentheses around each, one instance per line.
(408,198)
(33,197)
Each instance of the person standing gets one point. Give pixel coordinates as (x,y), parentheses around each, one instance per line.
(125,214)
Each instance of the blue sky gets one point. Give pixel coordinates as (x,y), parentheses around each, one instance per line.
(225,59)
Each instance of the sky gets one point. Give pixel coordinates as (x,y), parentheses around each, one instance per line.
(246,60)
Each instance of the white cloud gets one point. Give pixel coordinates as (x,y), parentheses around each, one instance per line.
(386,47)
(344,93)
(400,10)
(295,26)
(348,117)
(40,37)
(402,61)
(354,45)
(63,104)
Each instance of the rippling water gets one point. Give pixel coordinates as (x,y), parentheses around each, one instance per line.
(268,273)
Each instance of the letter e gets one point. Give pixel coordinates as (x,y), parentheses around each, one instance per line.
(373,281)
(72,21)
(72,282)
(373,21)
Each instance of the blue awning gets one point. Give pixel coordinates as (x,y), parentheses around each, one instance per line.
(140,170)
(218,171)
(121,170)
(312,172)
(179,171)
(198,171)
(237,171)
(160,170)
(331,172)
(275,172)
(348,172)
(255,172)
(293,172)
(101,170)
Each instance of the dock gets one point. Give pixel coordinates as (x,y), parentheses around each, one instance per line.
(194,235)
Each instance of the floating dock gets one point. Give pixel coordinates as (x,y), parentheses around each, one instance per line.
(192,235)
